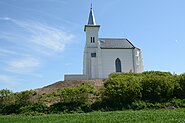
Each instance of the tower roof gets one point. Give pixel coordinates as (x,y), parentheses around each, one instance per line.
(91,20)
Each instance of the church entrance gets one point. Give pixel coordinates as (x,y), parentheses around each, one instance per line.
(118,65)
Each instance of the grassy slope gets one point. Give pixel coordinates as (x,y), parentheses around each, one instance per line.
(142,116)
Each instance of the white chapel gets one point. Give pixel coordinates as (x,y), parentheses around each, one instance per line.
(103,56)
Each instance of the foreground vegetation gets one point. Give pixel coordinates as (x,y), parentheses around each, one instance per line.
(128,116)
(149,90)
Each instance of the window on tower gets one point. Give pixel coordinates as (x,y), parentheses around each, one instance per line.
(92,39)
(93,54)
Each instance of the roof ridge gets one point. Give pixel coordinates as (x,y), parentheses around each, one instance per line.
(130,42)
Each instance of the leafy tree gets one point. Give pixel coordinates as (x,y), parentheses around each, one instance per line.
(5,96)
(5,93)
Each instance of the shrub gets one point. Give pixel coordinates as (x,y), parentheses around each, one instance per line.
(69,107)
(35,108)
(76,99)
(157,73)
(10,109)
(24,98)
(123,90)
(6,97)
(76,94)
(157,88)
(179,91)
(138,105)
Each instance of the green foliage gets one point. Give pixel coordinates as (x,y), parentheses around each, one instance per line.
(157,73)
(151,89)
(10,109)
(72,99)
(5,93)
(35,108)
(123,90)
(5,96)
(180,87)
(69,107)
(178,103)
(157,88)
(24,98)
(76,94)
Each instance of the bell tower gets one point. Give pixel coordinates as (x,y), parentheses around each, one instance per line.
(91,30)
(90,67)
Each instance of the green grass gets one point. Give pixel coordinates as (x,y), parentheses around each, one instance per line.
(142,116)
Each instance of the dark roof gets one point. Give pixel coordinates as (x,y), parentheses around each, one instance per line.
(115,43)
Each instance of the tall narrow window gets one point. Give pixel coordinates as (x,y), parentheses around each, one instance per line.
(118,65)
(93,39)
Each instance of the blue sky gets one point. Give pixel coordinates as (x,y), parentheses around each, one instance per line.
(41,40)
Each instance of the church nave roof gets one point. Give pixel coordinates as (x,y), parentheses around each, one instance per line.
(115,43)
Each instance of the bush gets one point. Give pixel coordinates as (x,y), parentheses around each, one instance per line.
(76,99)
(24,98)
(157,88)
(6,97)
(157,73)
(137,105)
(10,109)
(69,107)
(123,90)
(178,103)
(76,94)
(35,108)
(179,91)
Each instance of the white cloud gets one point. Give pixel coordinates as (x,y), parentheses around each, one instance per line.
(8,80)
(23,65)
(5,18)
(38,35)
(30,40)
(4,78)
(4,52)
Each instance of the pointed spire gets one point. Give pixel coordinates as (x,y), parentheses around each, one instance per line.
(91,20)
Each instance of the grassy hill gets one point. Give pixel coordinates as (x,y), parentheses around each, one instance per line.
(152,89)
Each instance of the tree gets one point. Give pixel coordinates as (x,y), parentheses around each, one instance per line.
(5,96)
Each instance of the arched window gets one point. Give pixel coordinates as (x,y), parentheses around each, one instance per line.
(118,65)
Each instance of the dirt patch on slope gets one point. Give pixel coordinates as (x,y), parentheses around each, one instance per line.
(70,83)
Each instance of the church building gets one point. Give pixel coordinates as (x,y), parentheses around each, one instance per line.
(103,56)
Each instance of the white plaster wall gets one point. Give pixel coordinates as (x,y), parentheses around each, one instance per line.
(90,64)
(93,67)
(109,57)
(92,32)
(138,61)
